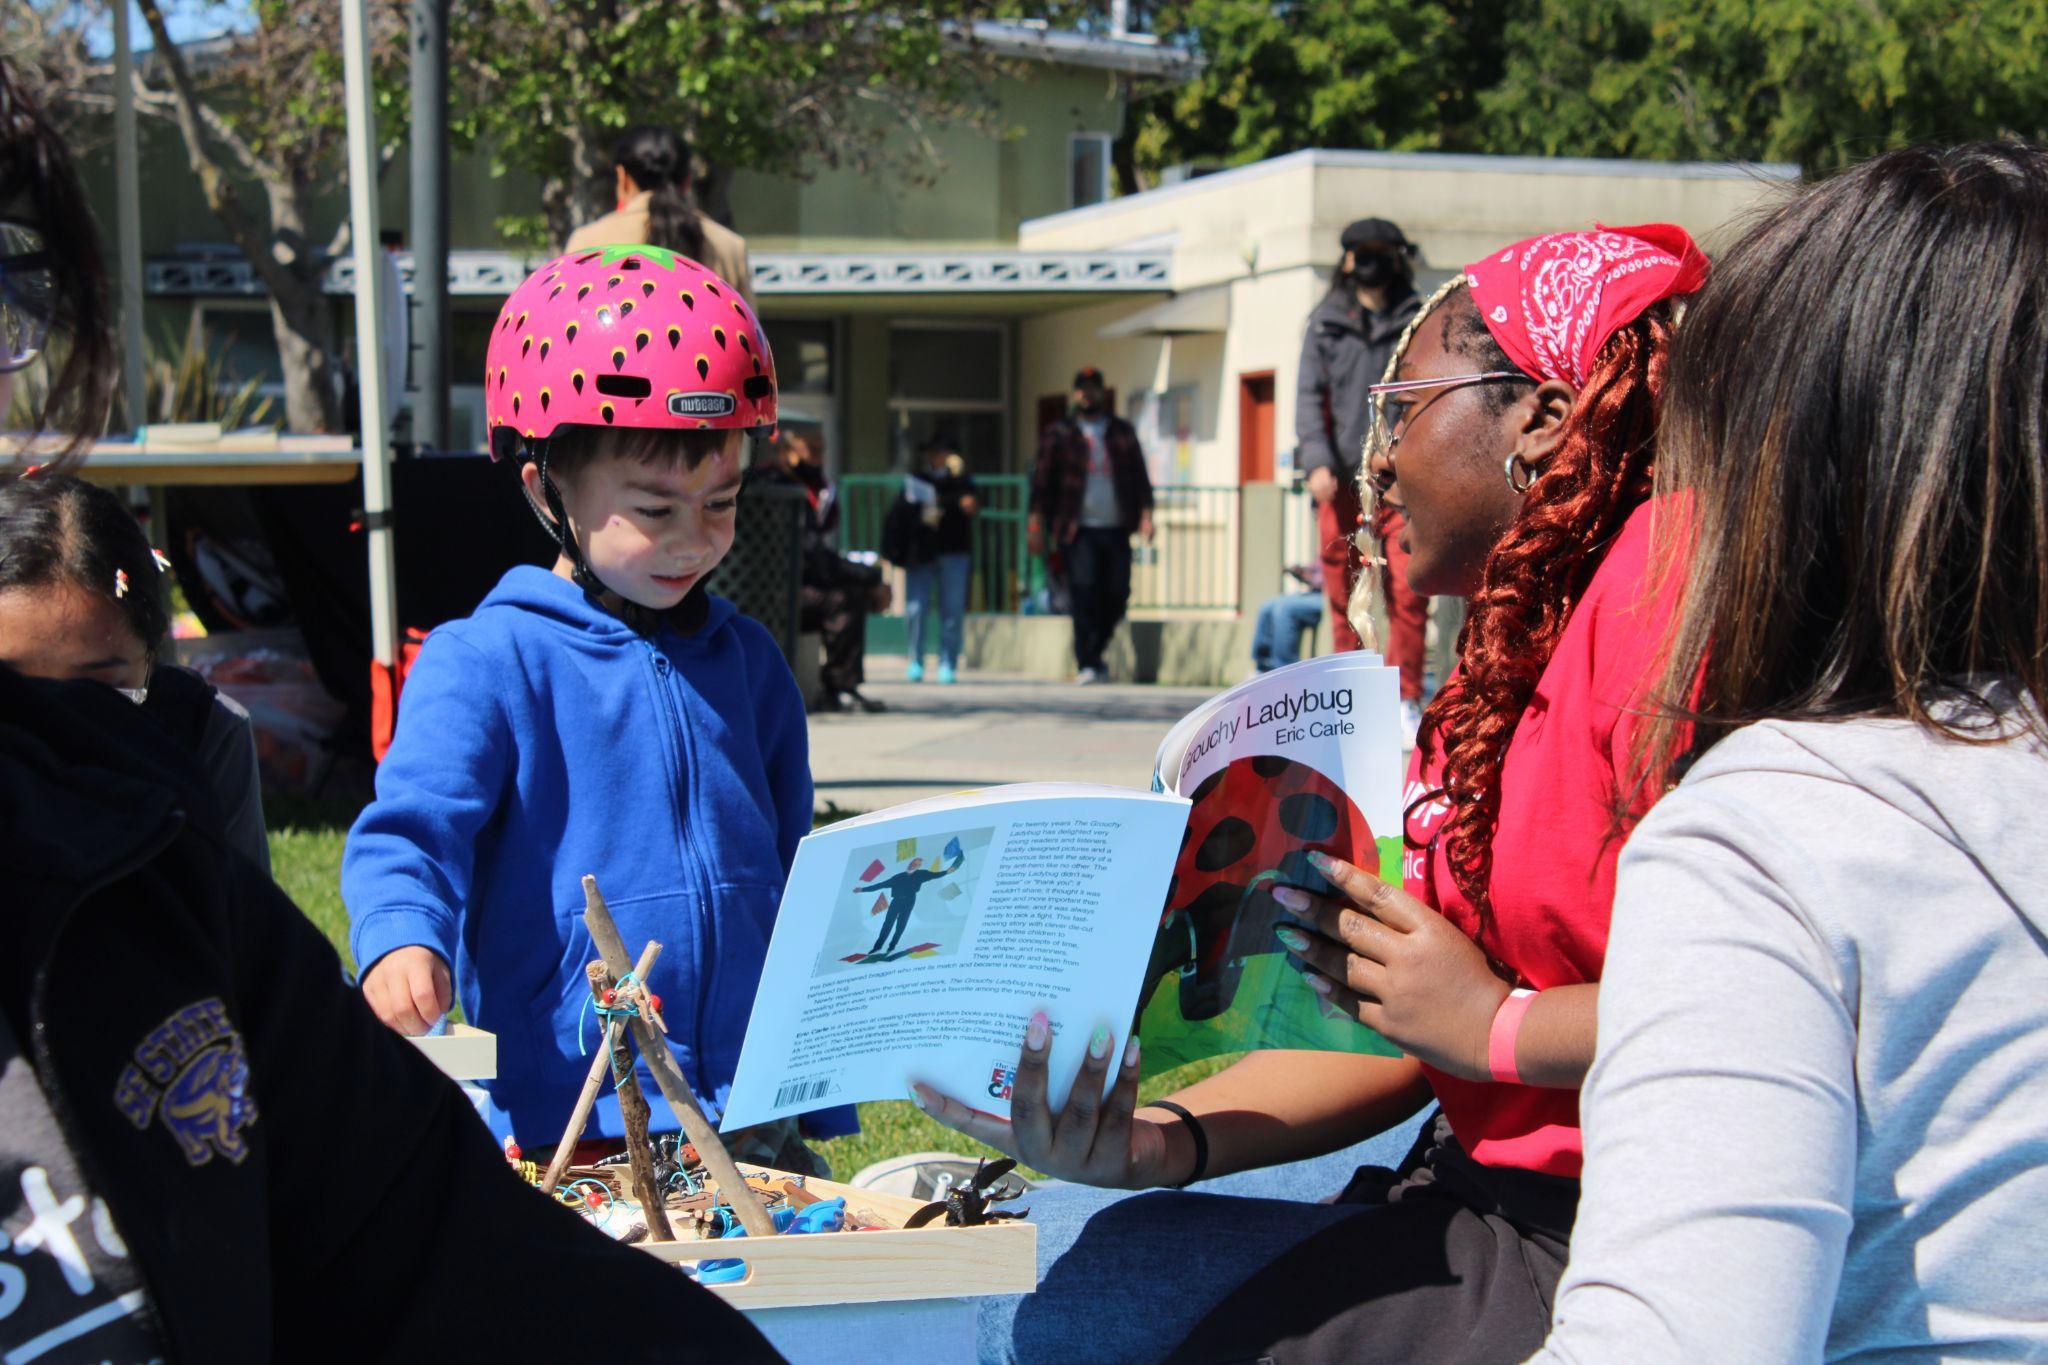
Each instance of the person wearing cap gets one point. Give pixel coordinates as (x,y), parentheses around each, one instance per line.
(1351,336)
(1089,495)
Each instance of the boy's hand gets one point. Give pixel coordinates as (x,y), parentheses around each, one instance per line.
(409,989)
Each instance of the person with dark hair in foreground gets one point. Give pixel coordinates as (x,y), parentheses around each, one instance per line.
(651,166)
(209,1149)
(82,595)
(1817,1118)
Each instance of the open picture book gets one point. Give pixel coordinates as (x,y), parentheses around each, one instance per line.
(916,942)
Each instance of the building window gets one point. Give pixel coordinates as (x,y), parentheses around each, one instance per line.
(1087,169)
(951,379)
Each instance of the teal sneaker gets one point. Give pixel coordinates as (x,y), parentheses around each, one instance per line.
(946,677)
(914,673)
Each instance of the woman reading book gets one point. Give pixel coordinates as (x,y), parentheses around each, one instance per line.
(1516,433)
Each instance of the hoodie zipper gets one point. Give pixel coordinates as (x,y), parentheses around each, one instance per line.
(46,1060)
(685,758)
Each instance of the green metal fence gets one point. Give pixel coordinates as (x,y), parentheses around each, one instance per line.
(1190,564)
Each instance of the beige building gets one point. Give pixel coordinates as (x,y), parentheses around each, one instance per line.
(1208,373)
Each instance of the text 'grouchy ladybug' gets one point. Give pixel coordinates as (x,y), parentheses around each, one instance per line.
(624,382)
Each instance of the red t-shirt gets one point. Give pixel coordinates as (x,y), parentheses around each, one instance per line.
(1555,847)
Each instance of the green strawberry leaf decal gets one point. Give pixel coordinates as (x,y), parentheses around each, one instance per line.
(661,256)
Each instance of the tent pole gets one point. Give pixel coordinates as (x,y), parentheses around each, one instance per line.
(128,220)
(364,243)
(430,223)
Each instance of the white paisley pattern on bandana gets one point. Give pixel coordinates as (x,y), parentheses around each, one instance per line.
(1563,297)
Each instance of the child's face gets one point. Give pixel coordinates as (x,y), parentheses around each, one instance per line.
(65,632)
(651,532)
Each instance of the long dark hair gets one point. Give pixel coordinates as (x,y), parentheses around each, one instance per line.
(59,531)
(659,163)
(1858,426)
(36,172)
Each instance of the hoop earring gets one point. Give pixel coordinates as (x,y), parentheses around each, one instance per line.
(1523,483)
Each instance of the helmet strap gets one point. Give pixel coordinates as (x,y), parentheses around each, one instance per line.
(555,521)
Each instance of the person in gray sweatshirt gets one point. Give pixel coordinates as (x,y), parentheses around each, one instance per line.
(1817,1120)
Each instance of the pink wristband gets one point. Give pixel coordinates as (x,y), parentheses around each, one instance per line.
(1507,1028)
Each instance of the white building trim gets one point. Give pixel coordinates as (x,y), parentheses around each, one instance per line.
(496,273)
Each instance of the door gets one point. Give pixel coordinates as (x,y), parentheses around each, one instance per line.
(1255,427)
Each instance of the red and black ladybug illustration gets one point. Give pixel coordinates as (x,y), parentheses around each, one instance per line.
(1253,825)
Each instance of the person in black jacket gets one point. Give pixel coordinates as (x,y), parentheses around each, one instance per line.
(1090,493)
(82,596)
(210,1150)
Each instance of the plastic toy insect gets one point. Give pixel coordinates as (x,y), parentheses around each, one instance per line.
(967,1206)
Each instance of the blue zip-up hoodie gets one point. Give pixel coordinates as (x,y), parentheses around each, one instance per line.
(540,739)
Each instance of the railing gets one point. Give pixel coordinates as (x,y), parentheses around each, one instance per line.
(1190,564)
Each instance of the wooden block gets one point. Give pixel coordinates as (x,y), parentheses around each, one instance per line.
(883,1265)
(463,1052)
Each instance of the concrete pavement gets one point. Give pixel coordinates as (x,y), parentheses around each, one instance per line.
(989,728)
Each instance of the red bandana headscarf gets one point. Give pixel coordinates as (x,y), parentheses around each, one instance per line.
(1553,301)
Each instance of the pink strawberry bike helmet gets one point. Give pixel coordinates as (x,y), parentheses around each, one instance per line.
(621,336)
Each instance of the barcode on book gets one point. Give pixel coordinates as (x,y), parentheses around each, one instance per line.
(802,1092)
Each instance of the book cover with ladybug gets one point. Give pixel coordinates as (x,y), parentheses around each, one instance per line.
(1306,758)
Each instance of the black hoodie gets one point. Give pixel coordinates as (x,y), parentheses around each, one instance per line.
(319,1192)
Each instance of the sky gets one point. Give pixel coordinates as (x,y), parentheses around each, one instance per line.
(187,19)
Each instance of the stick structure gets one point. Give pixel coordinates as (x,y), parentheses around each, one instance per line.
(580,1115)
(674,1087)
(633,1113)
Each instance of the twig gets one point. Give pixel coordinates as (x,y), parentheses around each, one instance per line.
(633,1113)
(580,1115)
(674,1088)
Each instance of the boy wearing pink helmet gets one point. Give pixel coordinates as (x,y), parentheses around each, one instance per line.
(608,716)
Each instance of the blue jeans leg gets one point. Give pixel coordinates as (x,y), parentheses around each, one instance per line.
(1124,1277)
(954,572)
(1299,613)
(917,607)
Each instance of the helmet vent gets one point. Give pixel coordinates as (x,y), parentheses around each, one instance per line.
(624,386)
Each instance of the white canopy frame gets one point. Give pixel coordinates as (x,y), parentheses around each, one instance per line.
(365,245)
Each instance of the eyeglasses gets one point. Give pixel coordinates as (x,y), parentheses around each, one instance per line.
(28,295)
(1385,419)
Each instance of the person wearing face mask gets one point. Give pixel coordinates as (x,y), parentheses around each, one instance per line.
(1090,494)
(82,596)
(1351,336)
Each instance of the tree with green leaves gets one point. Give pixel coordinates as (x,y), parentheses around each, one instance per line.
(1816,82)
(1396,74)
(785,87)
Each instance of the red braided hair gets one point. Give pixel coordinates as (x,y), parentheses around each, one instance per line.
(1534,576)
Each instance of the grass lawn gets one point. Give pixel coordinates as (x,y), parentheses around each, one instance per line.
(305,857)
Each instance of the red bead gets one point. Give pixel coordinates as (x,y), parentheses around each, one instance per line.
(594,1199)
(611,997)
(654,1002)
(511,1150)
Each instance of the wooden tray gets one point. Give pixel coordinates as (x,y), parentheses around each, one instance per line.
(876,1266)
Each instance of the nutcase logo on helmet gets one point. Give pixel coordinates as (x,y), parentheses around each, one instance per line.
(702,404)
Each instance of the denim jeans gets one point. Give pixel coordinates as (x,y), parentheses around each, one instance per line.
(1276,640)
(949,575)
(1124,1276)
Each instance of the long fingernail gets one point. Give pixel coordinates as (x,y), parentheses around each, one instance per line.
(1322,862)
(1036,1032)
(1098,1042)
(1295,940)
(917,1098)
(1319,984)
(1131,1054)
(1294,898)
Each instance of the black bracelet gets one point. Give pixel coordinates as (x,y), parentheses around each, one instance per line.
(1201,1139)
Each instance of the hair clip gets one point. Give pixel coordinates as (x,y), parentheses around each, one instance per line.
(120,582)
(163,561)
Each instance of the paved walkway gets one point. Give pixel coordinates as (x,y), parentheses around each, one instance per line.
(986,729)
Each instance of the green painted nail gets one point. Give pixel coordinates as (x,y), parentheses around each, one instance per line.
(1098,1042)
(1295,940)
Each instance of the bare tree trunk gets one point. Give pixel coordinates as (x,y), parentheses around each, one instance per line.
(301,319)
(568,202)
